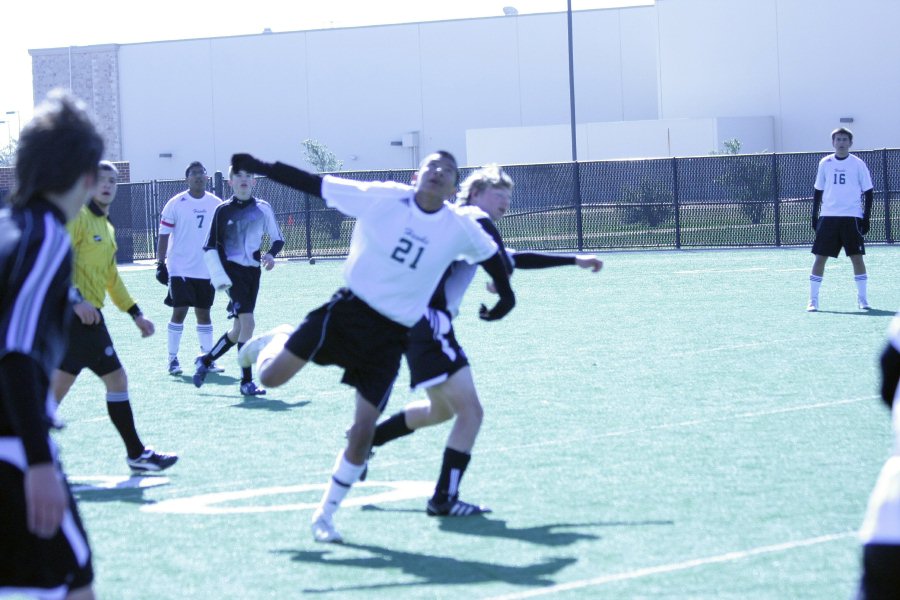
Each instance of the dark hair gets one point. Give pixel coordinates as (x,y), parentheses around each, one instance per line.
(843,130)
(196,163)
(59,145)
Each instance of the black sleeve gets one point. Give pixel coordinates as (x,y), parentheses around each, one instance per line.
(276,247)
(497,270)
(817,204)
(867,211)
(280,172)
(890,374)
(23,393)
(488,225)
(541,260)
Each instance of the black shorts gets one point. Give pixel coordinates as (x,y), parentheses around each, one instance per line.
(90,347)
(61,563)
(190,291)
(433,354)
(244,288)
(880,577)
(349,333)
(834,233)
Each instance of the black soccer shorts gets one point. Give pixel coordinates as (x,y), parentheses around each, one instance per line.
(90,347)
(244,288)
(349,333)
(834,233)
(433,354)
(190,291)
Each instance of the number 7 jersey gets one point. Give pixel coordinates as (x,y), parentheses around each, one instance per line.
(398,252)
(187,220)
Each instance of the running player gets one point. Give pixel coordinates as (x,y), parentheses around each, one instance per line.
(233,255)
(841,180)
(44,551)
(90,346)
(183,229)
(404,239)
(438,363)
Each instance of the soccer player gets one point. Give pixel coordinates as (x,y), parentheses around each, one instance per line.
(183,230)
(880,532)
(438,363)
(841,180)
(233,256)
(404,239)
(44,551)
(90,346)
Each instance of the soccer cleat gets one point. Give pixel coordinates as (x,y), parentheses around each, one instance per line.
(152,461)
(323,530)
(255,345)
(813,306)
(454,507)
(214,368)
(174,367)
(248,388)
(863,304)
(200,373)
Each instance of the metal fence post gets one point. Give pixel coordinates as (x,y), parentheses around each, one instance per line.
(219,184)
(775,193)
(675,203)
(306,209)
(579,224)
(888,236)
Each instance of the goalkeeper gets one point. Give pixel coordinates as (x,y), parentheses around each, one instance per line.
(233,255)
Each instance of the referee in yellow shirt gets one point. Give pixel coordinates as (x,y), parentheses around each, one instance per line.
(90,346)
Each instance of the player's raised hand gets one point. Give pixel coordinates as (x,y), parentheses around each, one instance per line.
(244,162)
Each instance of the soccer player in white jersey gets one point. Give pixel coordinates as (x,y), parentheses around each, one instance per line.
(437,362)
(183,229)
(404,239)
(841,181)
(880,532)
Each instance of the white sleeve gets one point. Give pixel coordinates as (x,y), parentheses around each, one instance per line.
(217,275)
(168,218)
(481,245)
(820,176)
(355,198)
(865,178)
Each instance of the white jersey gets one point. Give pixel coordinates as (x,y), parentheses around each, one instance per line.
(882,522)
(843,182)
(187,220)
(398,252)
(461,273)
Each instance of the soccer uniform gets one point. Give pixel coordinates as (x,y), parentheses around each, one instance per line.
(35,283)
(236,233)
(842,183)
(94,245)
(398,254)
(186,220)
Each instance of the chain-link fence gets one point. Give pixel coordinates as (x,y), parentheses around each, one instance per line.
(708,201)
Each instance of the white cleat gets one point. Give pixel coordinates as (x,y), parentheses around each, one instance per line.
(324,532)
(863,304)
(250,351)
(813,306)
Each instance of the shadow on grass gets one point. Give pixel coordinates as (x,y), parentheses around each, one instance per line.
(262,403)
(872,312)
(430,570)
(127,490)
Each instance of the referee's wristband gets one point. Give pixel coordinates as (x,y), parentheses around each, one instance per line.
(135,312)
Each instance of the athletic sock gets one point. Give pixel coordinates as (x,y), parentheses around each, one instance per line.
(119,409)
(452,470)
(861,282)
(815,282)
(246,372)
(344,475)
(175,331)
(391,429)
(205,335)
(222,346)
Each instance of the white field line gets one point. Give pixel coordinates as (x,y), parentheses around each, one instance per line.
(679,566)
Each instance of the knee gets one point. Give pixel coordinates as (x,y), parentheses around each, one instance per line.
(471,411)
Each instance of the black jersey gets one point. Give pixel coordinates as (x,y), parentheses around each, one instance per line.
(35,283)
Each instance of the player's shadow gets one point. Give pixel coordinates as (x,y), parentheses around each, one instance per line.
(429,570)
(554,534)
(270,404)
(126,491)
(212,378)
(872,312)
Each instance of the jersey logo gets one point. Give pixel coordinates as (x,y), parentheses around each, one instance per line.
(97,238)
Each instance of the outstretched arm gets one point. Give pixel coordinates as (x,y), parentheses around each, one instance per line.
(542,260)
(280,172)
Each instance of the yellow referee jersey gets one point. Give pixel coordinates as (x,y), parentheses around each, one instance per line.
(95,272)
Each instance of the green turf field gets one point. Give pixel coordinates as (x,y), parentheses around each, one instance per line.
(674,427)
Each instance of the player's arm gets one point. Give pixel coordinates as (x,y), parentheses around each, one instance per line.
(123,300)
(280,172)
(867,210)
(162,249)
(544,260)
(212,254)
(274,233)
(816,205)
(488,225)
(890,374)
(496,268)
